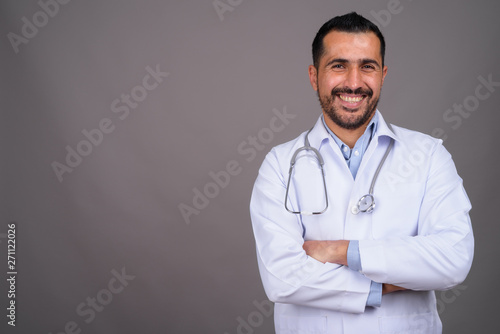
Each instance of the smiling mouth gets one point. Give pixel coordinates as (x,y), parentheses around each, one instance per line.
(351,99)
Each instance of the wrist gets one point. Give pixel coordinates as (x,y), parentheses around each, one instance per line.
(339,251)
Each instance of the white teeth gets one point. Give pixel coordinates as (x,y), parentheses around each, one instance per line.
(351,99)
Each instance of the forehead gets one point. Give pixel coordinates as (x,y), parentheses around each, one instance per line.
(351,46)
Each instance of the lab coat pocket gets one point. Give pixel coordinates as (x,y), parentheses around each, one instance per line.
(397,209)
(301,325)
(423,323)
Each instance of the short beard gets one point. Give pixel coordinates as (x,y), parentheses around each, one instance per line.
(329,108)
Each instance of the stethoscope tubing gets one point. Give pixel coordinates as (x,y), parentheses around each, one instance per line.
(307,147)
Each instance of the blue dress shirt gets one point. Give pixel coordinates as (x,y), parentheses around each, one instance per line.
(353,159)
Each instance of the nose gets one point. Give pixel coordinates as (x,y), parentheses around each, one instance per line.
(353,79)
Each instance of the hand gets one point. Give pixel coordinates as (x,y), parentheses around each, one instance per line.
(333,251)
(388,288)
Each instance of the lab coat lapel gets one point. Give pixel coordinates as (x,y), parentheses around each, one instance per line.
(382,130)
(321,139)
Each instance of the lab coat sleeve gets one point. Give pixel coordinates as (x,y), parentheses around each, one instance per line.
(440,256)
(288,274)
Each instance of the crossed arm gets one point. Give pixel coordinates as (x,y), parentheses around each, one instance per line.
(335,251)
(316,274)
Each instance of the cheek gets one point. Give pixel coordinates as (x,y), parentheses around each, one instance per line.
(377,90)
(375,84)
(328,83)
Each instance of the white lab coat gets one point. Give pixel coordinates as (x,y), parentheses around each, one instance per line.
(419,236)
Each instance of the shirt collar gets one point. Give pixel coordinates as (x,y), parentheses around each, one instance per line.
(319,134)
(370,130)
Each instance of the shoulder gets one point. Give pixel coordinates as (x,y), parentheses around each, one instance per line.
(316,136)
(280,155)
(412,140)
(419,151)
(277,162)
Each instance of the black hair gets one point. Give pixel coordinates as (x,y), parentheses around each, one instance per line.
(352,22)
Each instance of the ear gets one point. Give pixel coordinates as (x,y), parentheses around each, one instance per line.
(313,77)
(384,73)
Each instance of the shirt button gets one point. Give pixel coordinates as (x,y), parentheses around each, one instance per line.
(345,149)
(356,153)
(354,210)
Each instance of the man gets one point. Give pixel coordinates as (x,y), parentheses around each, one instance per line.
(345,270)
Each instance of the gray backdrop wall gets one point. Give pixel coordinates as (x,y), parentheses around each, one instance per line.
(132,133)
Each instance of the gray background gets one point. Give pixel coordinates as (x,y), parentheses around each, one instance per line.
(119,207)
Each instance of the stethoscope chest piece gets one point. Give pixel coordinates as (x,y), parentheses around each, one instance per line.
(366,203)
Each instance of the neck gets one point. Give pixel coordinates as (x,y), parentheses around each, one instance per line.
(348,136)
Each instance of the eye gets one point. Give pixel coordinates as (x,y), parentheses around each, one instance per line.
(337,66)
(368,67)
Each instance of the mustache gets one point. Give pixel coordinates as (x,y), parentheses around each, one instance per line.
(358,91)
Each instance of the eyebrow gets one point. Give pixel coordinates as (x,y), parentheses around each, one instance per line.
(359,61)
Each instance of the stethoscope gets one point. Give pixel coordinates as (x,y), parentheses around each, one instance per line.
(365,204)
